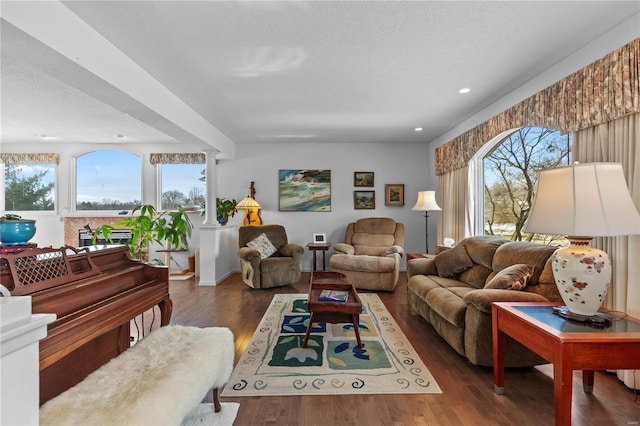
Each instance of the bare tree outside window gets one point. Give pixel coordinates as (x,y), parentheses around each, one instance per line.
(182,185)
(511,174)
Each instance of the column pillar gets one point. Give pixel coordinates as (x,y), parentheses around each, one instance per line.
(210,186)
(209,228)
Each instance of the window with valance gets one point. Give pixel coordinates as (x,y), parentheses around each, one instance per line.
(29,181)
(181,179)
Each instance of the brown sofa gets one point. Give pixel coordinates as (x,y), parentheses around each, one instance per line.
(370,254)
(454,292)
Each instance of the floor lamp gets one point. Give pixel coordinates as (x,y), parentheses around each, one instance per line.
(426,203)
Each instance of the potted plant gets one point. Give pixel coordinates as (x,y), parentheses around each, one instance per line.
(225,209)
(172,228)
(15,230)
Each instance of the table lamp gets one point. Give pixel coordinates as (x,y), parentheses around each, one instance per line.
(252,208)
(426,202)
(583,201)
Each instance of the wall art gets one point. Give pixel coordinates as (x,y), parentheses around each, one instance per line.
(394,194)
(304,190)
(363,179)
(363,200)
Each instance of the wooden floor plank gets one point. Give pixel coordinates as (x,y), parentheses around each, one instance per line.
(467,398)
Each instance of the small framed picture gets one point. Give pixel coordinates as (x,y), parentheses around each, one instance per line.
(394,194)
(319,238)
(363,179)
(364,200)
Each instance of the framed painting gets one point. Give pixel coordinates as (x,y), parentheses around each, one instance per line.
(304,190)
(363,179)
(364,200)
(394,194)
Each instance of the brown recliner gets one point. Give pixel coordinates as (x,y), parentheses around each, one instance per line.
(280,269)
(371,252)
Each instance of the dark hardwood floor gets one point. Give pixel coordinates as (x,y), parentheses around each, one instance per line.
(467,391)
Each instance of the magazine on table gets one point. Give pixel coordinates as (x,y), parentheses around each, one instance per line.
(333,296)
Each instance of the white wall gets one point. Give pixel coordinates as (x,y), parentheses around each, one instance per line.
(408,164)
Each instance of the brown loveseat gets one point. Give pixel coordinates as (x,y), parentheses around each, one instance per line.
(370,254)
(454,292)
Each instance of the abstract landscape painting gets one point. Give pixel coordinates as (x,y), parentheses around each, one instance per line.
(305,190)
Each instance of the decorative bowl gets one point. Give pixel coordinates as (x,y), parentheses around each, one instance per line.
(17,231)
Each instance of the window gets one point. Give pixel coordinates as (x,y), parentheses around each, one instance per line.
(29,187)
(510,175)
(182,185)
(108,180)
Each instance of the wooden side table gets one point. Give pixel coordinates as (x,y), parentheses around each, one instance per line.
(567,344)
(316,247)
(420,256)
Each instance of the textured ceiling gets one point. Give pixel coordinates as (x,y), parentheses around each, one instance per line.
(292,71)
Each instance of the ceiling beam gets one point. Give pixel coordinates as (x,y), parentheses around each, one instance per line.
(66,47)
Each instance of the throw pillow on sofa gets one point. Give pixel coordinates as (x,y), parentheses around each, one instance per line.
(453,261)
(514,277)
(263,245)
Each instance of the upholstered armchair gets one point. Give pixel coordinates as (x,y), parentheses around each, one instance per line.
(268,261)
(371,252)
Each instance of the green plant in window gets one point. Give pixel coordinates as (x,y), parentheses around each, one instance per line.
(170,229)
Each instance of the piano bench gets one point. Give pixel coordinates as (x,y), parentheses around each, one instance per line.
(157,381)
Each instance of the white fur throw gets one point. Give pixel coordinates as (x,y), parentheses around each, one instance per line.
(156,382)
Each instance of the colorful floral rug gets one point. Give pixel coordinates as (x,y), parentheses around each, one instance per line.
(275,363)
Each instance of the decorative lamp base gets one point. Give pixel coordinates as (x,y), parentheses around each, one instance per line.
(252,217)
(582,274)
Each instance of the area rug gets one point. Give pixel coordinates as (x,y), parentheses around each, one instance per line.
(275,363)
(204,414)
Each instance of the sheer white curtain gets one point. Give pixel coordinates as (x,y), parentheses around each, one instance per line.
(452,196)
(618,141)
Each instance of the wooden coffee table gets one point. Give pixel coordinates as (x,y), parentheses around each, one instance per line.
(332,312)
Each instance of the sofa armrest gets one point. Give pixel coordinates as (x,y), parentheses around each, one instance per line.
(344,248)
(394,250)
(291,250)
(421,266)
(248,253)
(483,298)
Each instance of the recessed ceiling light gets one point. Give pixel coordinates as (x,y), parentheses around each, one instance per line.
(464,90)
(418,129)
(119,136)
(46,137)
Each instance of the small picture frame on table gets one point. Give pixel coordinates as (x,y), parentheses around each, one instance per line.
(319,238)
(394,194)
(364,200)
(363,179)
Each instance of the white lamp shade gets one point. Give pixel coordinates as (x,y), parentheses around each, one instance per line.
(426,201)
(590,199)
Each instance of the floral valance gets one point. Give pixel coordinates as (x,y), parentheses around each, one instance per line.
(170,158)
(600,92)
(41,158)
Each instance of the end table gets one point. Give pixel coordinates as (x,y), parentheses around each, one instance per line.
(567,344)
(420,256)
(314,248)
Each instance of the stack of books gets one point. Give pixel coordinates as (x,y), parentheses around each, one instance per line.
(333,296)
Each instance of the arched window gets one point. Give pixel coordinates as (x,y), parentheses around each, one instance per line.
(108,180)
(506,173)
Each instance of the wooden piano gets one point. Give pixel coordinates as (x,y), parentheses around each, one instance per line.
(95,292)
